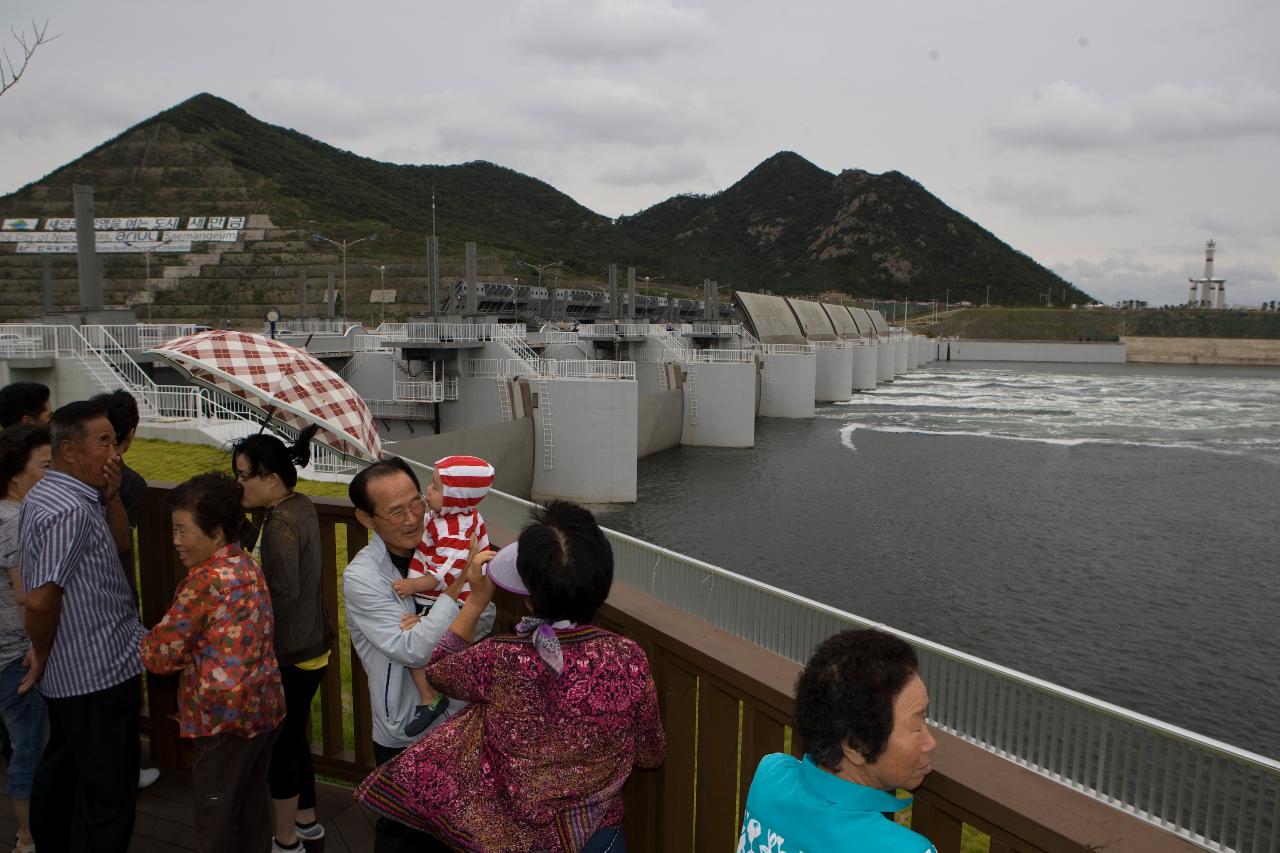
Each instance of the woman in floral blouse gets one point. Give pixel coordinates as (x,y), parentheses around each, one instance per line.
(217,634)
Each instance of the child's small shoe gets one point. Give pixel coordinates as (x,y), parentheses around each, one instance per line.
(425,715)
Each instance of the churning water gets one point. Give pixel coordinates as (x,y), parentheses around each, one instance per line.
(1112,528)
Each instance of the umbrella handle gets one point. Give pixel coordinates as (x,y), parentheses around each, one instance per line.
(266,420)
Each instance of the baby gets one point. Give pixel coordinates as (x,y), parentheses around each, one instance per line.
(452,523)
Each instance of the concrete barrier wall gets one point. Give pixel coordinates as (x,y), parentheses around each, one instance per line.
(1042,351)
(726,410)
(658,421)
(508,447)
(787,386)
(594,442)
(884,360)
(477,404)
(833,382)
(1202,350)
(864,367)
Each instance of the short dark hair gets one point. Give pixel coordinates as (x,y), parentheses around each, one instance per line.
(20,399)
(846,693)
(122,411)
(268,455)
(213,500)
(68,422)
(16,446)
(566,562)
(358,491)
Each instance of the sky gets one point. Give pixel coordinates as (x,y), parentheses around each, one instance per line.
(1107,140)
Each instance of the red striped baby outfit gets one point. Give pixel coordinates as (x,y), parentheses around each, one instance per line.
(446,536)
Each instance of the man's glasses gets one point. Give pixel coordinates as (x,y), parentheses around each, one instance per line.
(402,514)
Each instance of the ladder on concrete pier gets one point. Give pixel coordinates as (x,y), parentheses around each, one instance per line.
(548,436)
(691,392)
(505,413)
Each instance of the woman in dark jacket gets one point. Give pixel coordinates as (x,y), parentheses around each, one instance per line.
(290,557)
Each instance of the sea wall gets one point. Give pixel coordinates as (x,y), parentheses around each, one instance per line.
(1044,351)
(1203,350)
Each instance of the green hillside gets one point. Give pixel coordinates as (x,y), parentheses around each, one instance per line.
(787,226)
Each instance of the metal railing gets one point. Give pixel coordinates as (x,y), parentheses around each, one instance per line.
(555,336)
(588,369)
(486,368)
(817,345)
(436,391)
(1206,791)
(697,329)
(720,356)
(789,349)
(140,336)
(609,330)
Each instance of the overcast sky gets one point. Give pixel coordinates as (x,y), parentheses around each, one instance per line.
(1107,140)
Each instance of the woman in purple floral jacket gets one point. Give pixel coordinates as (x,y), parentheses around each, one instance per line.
(561,711)
(217,634)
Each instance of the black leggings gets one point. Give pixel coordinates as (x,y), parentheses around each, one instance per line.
(291,773)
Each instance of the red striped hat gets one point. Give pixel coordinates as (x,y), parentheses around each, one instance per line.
(466,480)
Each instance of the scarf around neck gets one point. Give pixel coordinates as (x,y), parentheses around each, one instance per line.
(545,640)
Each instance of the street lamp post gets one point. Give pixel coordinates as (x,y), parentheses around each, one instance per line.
(146,255)
(382,286)
(343,245)
(538,268)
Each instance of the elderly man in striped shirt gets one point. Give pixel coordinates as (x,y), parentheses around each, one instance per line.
(85,639)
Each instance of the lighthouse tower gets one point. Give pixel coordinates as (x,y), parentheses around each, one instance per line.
(1209,286)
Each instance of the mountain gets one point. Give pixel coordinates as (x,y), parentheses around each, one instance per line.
(787,226)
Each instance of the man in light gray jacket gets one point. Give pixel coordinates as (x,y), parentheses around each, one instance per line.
(389,501)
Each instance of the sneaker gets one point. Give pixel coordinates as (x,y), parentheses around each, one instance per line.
(147,777)
(425,715)
(311,836)
(277,847)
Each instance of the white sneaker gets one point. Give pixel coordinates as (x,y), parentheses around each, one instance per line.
(147,777)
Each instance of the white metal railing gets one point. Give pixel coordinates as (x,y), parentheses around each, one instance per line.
(556,336)
(512,337)
(370,343)
(27,340)
(842,344)
(483,367)
(788,349)
(720,356)
(609,330)
(431,391)
(697,329)
(316,326)
(146,335)
(1203,790)
(589,369)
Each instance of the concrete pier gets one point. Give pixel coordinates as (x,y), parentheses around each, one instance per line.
(833,381)
(864,365)
(787,381)
(884,360)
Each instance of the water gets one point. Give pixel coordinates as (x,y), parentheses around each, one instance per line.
(1111,528)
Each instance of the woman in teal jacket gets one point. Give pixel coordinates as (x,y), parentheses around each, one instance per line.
(860,709)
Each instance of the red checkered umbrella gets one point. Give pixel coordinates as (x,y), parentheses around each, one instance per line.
(280,382)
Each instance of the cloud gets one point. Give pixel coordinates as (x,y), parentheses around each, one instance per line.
(1049,199)
(663,170)
(609,30)
(1064,117)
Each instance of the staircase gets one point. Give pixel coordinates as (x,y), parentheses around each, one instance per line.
(520,351)
(672,347)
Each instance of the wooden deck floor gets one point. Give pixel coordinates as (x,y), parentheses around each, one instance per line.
(164,821)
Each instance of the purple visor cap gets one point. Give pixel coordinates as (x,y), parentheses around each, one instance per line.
(502,570)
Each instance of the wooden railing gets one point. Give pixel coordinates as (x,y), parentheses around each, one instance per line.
(725,704)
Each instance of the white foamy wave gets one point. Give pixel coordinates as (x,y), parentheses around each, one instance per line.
(1228,415)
